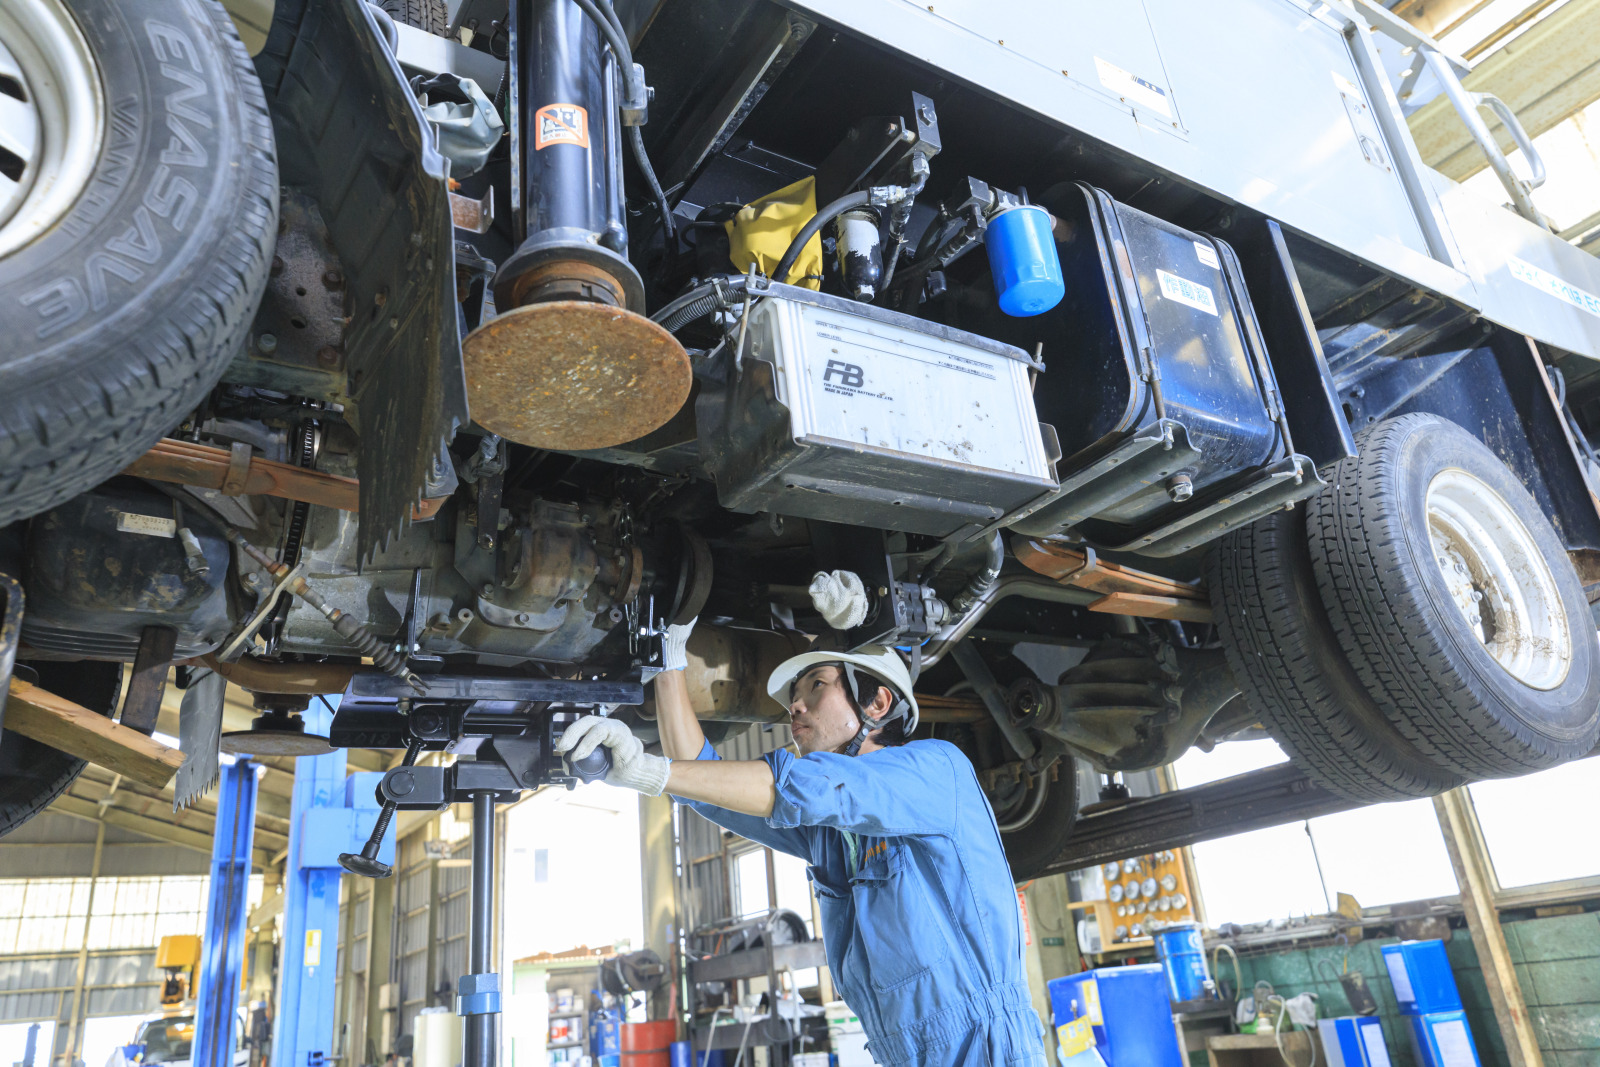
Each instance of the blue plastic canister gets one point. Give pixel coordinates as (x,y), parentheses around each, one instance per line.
(1182,952)
(1353,1041)
(1129,1009)
(1421,975)
(1442,1039)
(1024,261)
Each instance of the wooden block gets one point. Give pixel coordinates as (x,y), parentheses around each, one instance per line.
(77,731)
(1145,606)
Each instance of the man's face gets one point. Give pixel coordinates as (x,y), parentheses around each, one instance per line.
(820,715)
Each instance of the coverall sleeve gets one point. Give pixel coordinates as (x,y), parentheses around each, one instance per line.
(794,840)
(911,789)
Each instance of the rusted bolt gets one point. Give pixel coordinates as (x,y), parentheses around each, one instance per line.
(328,356)
(380,298)
(333,279)
(277,266)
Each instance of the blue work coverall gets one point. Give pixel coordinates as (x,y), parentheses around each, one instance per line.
(919,914)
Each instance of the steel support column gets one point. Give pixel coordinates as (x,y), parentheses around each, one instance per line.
(303,1024)
(478,997)
(222,949)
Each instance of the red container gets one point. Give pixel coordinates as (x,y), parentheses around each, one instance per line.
(648,1044)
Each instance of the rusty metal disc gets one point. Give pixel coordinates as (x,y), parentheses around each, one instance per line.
(269,742)
(574,375)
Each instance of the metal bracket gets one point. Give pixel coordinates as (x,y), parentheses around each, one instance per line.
(474,216)
(478,994)
(235,648)
(438,687)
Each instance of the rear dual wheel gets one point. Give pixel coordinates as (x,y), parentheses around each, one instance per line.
(1418,627)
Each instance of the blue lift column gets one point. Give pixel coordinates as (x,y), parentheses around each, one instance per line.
(222,949)
(330,813)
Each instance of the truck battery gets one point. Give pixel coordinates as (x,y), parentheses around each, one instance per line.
(1421,976)
(841,411)
(1162,392)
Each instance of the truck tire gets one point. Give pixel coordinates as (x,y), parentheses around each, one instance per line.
(131,269)
(33,774)
(1455,601)
(1042,823)
(430,16)
(1288,664)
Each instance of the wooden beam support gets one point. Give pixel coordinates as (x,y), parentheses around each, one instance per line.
(1475,876)
(77,731)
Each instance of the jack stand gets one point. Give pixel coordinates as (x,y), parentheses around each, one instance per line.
(515,752)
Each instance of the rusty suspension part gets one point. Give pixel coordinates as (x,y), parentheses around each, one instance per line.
(258,676)
(237,473)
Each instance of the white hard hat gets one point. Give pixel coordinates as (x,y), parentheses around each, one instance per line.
(881,662)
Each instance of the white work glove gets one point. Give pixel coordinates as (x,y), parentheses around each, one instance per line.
(631,766)
(675,646)
(840,598)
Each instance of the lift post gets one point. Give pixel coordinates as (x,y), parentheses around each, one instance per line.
(331,813)
(222,950)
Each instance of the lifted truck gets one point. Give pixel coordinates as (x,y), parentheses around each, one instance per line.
(437,355)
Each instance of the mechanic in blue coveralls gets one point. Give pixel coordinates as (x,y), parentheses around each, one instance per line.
(919,913)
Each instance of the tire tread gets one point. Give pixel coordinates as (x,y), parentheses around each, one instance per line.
(1275,632)
(1388,630)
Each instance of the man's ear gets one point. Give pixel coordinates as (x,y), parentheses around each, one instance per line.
(882,701)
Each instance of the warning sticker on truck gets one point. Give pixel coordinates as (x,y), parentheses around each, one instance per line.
(1543,280)
(1132,88)
(1184,291)
(560,124)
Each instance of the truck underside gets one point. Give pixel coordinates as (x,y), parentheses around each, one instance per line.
(1128,457)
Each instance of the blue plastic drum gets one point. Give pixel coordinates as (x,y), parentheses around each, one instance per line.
(1024,262)
(1182,953)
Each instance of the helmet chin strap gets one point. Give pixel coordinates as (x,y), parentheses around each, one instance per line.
(852,688)
(854,747)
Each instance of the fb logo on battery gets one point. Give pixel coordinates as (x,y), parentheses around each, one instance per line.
(849,374)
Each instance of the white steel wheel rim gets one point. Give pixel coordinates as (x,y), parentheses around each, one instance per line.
(52,118)
(1498,579)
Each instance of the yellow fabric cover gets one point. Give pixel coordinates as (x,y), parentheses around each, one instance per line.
(762,230)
